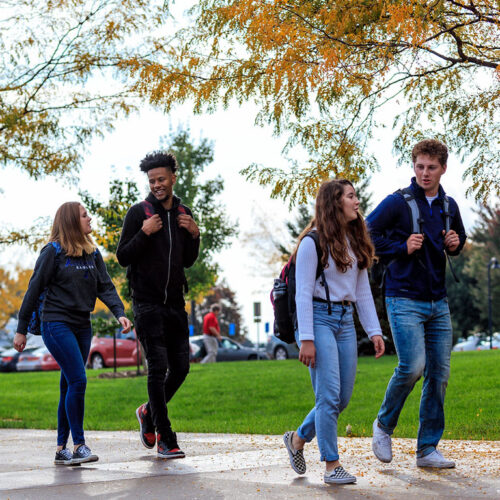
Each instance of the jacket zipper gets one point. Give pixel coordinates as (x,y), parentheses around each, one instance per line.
(169,257)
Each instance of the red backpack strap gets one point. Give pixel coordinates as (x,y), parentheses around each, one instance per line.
(181,209)
(148,208)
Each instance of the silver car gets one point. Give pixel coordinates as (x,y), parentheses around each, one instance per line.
(31,361)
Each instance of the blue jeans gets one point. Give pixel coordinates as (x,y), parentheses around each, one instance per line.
(70,347)
(423,338)
(333,376)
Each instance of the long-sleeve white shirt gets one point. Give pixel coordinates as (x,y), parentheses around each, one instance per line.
(353,285)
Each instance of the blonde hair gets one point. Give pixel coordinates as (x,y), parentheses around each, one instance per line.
(67,231)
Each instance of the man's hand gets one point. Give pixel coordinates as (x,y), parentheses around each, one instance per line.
(188,223)
(152,225)
(307,354)
(378,343)
(126,323)
(414,243)
(19,342)
(451,240)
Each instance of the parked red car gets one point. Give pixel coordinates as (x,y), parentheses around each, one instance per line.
(101,351)
(49,363)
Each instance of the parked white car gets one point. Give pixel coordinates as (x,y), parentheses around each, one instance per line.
(468,345)
(485,344)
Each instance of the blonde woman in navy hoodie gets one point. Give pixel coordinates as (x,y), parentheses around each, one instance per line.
(71,275)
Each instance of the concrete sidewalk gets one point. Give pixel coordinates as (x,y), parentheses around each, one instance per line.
(242,466)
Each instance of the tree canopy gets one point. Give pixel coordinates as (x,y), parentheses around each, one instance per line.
(328,73)
(62,75)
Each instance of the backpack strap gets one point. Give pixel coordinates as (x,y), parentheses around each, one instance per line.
(181,209)
(148,208)
(447,227)
(319,269)
(416,219)
(446,211)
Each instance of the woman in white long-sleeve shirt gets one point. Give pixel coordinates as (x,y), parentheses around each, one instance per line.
(326,334)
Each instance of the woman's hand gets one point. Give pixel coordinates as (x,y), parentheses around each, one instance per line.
(307,354)
(126,323)
(378,343)
(19,342)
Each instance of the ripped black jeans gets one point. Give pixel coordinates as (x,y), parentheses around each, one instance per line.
(164,335)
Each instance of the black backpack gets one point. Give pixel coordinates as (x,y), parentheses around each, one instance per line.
(283,296)
(379,268)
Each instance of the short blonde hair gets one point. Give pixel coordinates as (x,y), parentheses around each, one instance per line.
(67,230)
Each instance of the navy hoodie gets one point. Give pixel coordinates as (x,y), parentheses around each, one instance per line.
(421,275)
(73,284)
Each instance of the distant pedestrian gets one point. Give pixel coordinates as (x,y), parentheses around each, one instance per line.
(159,239)
(325,303)
(211,334)
(71,273)
(415,298)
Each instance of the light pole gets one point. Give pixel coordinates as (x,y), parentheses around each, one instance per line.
(492,264)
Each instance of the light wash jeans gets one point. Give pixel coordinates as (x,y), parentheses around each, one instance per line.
(333,376)
(70,347)
(211,346)
(423,338)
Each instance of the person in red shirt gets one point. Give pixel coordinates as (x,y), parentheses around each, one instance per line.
(211,334)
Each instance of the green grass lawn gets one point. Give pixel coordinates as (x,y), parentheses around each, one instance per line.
(261,397)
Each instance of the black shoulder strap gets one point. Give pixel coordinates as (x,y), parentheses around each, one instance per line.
(319,253)
(319,269)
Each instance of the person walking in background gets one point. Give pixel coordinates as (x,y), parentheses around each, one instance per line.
(71,274)
(211,334)
(159,239)
(415,297)
(325,333)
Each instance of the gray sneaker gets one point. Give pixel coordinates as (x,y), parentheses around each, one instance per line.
(297,460)
(339,476)
(83,455)
(435,459)
(63,457)
(381,444)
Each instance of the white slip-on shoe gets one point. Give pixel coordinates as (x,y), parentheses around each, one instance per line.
(381,444)
(435,459)
(297,460)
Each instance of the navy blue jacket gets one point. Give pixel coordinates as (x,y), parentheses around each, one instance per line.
(421,275)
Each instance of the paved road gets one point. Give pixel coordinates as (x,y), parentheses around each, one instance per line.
(236,466)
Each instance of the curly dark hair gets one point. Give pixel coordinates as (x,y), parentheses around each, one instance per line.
(158,159)
(431,147)
(333,229)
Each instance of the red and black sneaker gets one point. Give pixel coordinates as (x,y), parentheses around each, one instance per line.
(147,428)
(170,448)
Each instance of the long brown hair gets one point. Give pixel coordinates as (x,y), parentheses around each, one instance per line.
(67,230)
(334,230)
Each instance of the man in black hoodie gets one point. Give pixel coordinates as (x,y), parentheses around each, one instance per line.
(159,239)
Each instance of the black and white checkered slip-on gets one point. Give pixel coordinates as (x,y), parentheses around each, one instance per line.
(339,476)
(297,460)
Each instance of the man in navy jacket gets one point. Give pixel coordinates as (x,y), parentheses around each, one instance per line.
(416,302)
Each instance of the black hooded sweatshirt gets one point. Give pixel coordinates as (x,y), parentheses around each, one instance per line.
(155,263)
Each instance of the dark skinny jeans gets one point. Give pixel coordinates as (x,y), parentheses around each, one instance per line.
(70,347)
(163,332)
